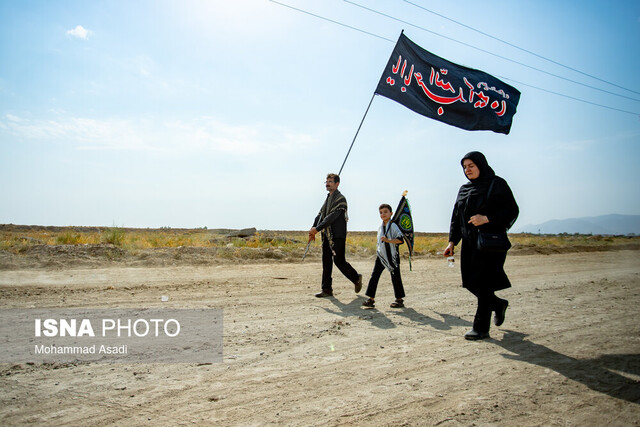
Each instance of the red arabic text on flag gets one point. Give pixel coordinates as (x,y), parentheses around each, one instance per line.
(436,88)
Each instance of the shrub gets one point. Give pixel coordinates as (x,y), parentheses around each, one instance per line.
(69,238)
(114,235)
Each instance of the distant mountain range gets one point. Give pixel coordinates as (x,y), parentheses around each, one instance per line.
(613,224)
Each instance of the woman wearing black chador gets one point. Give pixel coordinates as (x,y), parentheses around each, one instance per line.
(484,203)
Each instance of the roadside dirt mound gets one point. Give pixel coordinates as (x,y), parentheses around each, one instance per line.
(75,256)
(39,255)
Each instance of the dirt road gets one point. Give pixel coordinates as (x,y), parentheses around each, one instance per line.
(568,353)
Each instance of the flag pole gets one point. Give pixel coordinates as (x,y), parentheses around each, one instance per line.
(356,135)
(306,250)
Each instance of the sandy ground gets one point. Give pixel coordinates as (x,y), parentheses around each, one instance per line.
(567,355)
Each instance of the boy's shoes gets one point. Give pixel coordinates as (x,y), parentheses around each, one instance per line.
(368,304)
(397,304)
(358,284)
(498,319)
(324,294)
(474,335)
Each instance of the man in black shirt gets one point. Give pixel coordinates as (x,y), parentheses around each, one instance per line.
(332,222)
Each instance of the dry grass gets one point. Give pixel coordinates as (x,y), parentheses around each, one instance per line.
(17,239)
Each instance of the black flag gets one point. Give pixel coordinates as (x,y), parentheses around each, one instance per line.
(434,87)
(404,220)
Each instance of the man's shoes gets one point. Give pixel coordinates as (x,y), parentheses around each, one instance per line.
(359,283)
(498,319)
(324,294)
(474,335)
(368,304)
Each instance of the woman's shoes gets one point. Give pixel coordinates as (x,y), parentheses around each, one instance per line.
(474,335)
(498,319)
(324,294)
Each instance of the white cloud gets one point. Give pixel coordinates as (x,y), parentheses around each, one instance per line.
(210,134)
(199,134)
(245,19)
(13,118)
(79,32)
(105,134)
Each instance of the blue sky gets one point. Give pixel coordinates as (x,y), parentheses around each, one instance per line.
(229,114)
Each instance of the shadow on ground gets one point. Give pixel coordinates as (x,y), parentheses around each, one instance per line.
(599,374)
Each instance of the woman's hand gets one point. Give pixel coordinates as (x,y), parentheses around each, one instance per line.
(449,249)
(478,220)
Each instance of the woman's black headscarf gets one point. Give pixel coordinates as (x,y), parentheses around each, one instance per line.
(481,184)
(472,195)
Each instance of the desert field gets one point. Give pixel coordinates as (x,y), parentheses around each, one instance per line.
(567,355)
